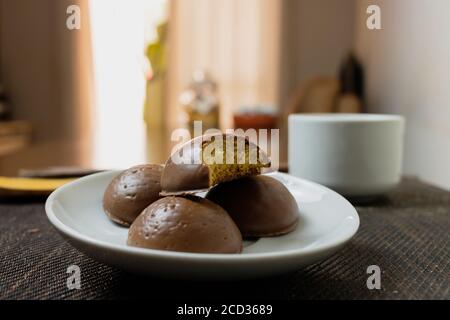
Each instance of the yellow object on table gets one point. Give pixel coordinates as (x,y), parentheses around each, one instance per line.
(10,186)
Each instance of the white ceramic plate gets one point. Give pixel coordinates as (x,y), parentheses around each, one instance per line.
(327,222)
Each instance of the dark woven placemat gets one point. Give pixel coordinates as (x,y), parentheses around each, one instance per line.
(405,234)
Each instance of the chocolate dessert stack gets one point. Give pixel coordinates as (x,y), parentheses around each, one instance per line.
(162,206)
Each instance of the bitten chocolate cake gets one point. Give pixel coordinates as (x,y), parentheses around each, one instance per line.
(209,160)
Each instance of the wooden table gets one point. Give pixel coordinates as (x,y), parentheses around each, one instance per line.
(405,234)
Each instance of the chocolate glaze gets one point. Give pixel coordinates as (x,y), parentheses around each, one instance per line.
(191,224)
(260,206)
(184,179)
(193,177)
(131,192)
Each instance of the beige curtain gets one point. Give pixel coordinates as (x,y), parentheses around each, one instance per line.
(46,70)
(237,42)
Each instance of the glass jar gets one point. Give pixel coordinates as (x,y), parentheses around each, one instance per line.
(200,102)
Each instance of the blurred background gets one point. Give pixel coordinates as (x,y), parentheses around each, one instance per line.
(109,94)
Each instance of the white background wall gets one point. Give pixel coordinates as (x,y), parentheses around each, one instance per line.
(408,72)
(316,37)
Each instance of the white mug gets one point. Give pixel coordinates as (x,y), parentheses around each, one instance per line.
(357,155)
